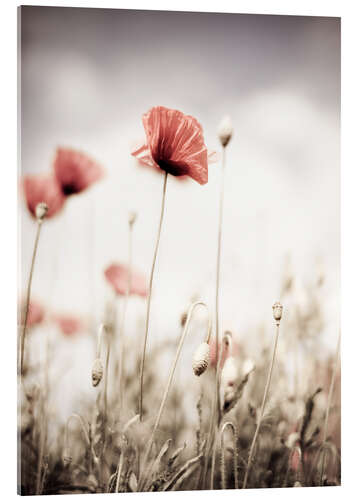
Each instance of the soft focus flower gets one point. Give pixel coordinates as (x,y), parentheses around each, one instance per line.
(75,171)
(175,144)
(36,314)
(234,351)
(118,276)
(43,189)
(68,324)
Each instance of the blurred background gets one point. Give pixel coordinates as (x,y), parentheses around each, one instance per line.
(88,75)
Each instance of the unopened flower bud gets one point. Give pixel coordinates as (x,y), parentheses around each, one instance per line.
(41,211)
(97,372)
(132,218)
(200,359)
(277,311)
(225,131)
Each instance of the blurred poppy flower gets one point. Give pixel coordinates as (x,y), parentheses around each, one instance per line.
(118,275)
(36,314)
(75,171)
(68,324)
(225,352)
(175,144)
(43,188)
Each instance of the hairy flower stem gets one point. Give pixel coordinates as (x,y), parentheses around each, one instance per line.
(122,320)
(218,271)
(142,364)
(329,399)
(235,456)
(261,415)
(169,382)
(28,295)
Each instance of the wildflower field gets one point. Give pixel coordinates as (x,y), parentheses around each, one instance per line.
(266,416)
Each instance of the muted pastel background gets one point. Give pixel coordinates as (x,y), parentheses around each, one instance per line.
(87,76)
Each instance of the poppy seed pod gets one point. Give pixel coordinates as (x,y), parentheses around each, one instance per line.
(225,131)
(200,359)
(277,311)
(41,210)
(97,372)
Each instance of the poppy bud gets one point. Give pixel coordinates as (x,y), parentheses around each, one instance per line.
(97,372)
(132,218)
(41,211)
(200,359)
(225,131)
(277,311)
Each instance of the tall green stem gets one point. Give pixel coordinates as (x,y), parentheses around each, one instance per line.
(261,415)
(142,365)
(169,381)
(28,295)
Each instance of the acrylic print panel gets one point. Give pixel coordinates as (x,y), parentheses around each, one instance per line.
(179,242)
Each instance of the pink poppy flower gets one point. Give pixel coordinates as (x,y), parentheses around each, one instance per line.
(75,171)
(36,314)
(118,276)
(175,144)
(68,324)
(43,188)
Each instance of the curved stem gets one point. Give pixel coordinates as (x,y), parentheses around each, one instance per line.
(218,264)
(28,296)
(329,399)
(142,364)
(169,381)
(82,425)
(235,455)
(260,418)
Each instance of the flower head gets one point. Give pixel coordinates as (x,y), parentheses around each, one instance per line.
(68,324)
(118,277)
(45,189)
(75,171)
(175,144)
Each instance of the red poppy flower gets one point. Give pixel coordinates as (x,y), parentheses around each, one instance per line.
(175,144)
(118,276)
(75,171)
(68,324)
(36,314)
(43,188)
